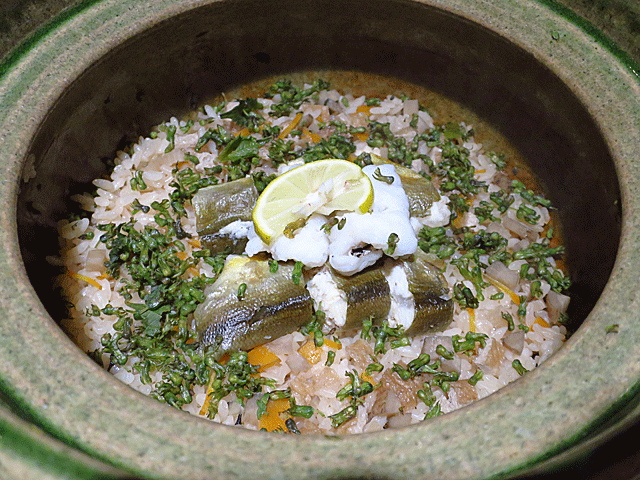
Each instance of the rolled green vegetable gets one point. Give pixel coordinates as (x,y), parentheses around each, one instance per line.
(217,207)
(432,303)
(248,305)
(367,296)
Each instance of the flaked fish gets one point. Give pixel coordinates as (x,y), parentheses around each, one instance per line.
(420,191)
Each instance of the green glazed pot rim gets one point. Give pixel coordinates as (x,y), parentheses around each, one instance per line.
(545,413)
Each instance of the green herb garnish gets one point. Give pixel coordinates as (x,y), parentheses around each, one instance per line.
(517,365)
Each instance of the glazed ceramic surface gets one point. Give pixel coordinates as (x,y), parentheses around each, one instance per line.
(106,72)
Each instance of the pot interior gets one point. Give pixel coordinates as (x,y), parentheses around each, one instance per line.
(187,60)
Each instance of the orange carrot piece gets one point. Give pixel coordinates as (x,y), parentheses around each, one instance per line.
(363,137)
(271,419)
(84,278)
(500,286)
(540,321)
(262,358)
(331,344)
(367,378)
(224,359)
(207,400)
(472,319)
(310,352)
(294,123)
(315,138)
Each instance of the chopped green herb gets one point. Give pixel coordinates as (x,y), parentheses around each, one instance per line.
(527,214)
(484,212)
(261,180)
(273,265)
(333,221)
(170,130)
(367,326)
(244,114)
(509,319)
(469,342)
(384,333)
(343,416)
(331,356)
(529,195)
(471,272)
(297,273)
(444,380)
(355,388)
(498,160)
(187,126)
(464,296)
(290,229)
(429,399)
(295,410)
(373,367)
(239,150)
(377,175)
(219,136)
(291,97)
(435,240)
(336,146)
(417,366)
(434,411)
(137,183)
(454,131)
(517,365)
(613,328)
(242,290)
(191,158)
(502,200)
(443,352)
(290,423)
(536,289)
(400,342)
(475,378)
(262,405)
(392,242)
(522,308)
(303,411)
(314,328)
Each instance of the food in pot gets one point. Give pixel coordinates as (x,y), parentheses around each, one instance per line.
(314,262)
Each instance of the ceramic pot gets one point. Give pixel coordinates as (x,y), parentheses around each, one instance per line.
(104,72)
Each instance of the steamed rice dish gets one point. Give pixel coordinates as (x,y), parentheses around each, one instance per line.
(444,290)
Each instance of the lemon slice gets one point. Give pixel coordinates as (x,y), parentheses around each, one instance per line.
(323,186)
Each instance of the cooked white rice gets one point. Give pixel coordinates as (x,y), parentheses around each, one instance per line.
(393,402)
